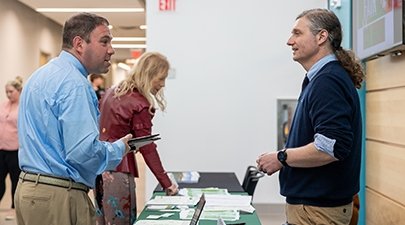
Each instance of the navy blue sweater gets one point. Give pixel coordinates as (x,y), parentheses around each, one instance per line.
(330,106)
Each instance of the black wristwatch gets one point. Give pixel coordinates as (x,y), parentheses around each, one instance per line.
(282,157)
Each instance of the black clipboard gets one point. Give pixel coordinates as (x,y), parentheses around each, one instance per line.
(136,143)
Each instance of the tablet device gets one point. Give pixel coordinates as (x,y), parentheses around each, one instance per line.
(136,143)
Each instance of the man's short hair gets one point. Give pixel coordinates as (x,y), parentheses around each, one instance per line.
(82,25)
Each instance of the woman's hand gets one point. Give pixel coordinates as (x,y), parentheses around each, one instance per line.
(172,190)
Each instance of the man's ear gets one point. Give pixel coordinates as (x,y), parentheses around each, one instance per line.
(322,36)
(78,44)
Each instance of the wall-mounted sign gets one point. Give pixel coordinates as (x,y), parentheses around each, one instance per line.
(167,5)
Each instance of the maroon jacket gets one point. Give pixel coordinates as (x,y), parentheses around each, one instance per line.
(130,114)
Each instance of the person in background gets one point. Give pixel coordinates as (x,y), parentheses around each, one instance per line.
(130,107)
(9,137)
(97,82)
(60,152)
(320,164)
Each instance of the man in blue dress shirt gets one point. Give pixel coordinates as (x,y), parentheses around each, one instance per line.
(60,152)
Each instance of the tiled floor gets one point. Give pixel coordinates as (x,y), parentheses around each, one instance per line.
(5,208)
(4,217)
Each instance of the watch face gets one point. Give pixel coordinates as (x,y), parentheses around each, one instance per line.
(281,156)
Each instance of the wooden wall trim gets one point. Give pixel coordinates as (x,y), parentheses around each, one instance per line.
(385,170)
(385,117)
(381,210)
(385,72)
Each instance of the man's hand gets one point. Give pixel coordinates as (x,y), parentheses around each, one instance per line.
(268,163)
(125,139)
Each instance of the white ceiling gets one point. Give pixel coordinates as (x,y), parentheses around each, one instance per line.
(124,24)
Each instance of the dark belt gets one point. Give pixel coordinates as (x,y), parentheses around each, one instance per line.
(53,181)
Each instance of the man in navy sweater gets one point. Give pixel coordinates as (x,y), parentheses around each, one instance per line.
(320,164)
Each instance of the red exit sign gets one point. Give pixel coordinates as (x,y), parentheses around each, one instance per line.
(167,5)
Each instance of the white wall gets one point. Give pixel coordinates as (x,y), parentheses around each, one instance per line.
(23,34)
(232,63)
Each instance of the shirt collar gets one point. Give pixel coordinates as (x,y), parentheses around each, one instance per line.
(318,65)
(65,55)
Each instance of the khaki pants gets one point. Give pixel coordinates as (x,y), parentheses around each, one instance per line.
(40,204)
(313,215)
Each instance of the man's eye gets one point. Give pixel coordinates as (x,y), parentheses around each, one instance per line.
(105,41)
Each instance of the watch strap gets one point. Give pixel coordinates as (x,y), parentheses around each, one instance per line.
(284,158)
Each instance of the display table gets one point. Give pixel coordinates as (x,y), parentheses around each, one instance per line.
(227,180)
(248,219)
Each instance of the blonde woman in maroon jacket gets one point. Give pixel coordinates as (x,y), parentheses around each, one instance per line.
(129,108)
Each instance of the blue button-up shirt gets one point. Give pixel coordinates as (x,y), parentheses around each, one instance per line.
(58,125)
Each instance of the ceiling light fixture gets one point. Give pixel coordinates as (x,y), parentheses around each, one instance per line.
(124,66)
(106,10)
(129,39)
(130,61)
(128,46)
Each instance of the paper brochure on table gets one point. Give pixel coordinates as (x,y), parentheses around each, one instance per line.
(226,215)
(173,200)
(196,192)
(221,222)
(223,205)
(219,199)
(246,209)
(187,177)
(162,222)
(227,207)
(228,200)
(164,208)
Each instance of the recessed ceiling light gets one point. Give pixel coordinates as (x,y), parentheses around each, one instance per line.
(60,10)
(124,66)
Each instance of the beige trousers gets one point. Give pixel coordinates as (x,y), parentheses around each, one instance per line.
(313,215)
(39,204)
